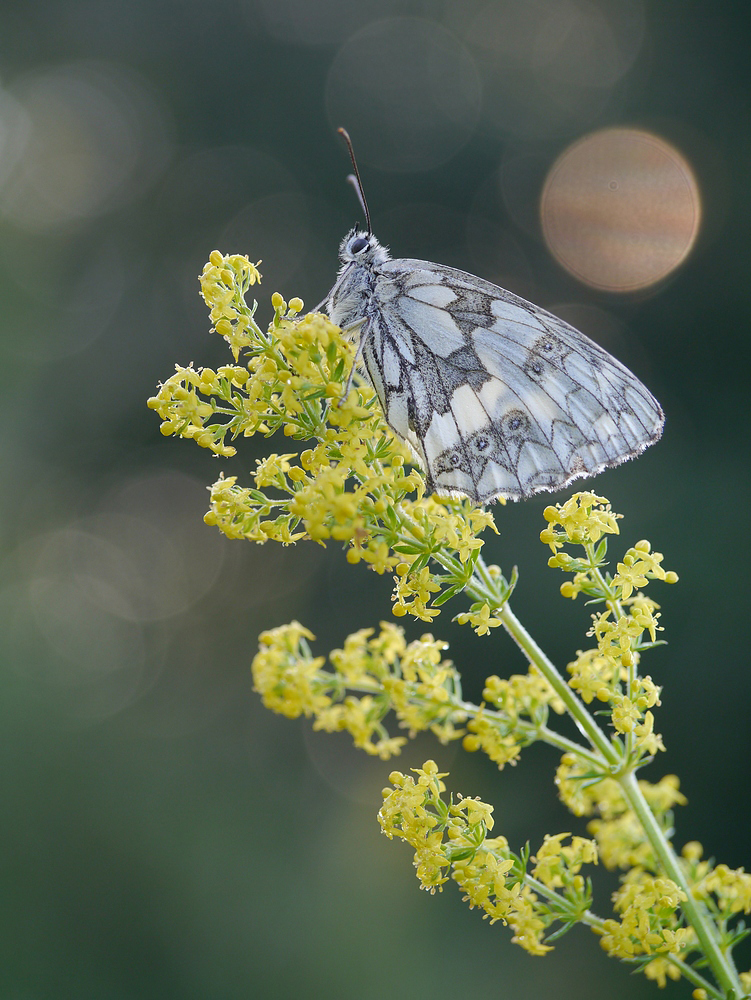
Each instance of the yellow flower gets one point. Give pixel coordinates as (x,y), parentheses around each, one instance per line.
(224,281)
(585,517)
(475,811)
(692,851)
(660,970)
(482,619)
(556,864)
(625,715)
(412,593)
(645,738)
(594,675)
(664,795)
(484,734)
(528,930)
(284,677)
(730,886)
(271,471)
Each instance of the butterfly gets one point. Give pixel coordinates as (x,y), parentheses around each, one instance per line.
(495,396)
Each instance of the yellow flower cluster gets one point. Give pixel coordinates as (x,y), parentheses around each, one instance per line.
(413,592)
(498,739)
(585,519)
(523,702)
(454,836)
(411,679)
(372,675)
(182,404)
(286,675)
(409,812)
(731,888)
(628,625)
(725,892)
(527,694)
(489,883)
(530,894)
(650,922)
(557,864)
(582,519)
(595,676)
(224,282)
(619,834)
(639,565)
(349,481)
(352,485)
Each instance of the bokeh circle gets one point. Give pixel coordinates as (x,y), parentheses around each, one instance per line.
(620,209)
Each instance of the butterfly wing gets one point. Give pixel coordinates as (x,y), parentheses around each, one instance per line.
(496,396)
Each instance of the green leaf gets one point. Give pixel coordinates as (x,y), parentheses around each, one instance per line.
(447,594)
(420,563)
(408,548)
(564,929)
(601,551)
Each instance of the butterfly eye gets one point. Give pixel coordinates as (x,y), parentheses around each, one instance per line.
(358,245)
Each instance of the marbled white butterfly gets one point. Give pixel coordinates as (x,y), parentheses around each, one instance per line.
(495,396)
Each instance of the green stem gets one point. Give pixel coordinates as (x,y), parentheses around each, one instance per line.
(695,912)
(486,588)
(543,733)
(688,972)
(482,587)
(563,908)
(584,721)
(469,710)
(482,571)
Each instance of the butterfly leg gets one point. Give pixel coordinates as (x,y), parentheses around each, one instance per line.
(361,327)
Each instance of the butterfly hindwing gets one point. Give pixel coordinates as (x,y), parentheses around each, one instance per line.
(496,396)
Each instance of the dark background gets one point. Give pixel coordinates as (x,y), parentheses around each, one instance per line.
(164,836)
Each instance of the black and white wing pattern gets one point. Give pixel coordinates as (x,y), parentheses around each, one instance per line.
(496,397)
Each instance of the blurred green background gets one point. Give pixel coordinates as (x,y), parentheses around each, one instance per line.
(164,836)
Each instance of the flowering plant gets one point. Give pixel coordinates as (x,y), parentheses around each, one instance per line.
(675,915)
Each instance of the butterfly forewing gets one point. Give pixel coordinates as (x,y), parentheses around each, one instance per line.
(495,396)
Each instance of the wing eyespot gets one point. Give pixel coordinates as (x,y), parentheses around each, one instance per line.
(549,346)
(515,422)
(536,368)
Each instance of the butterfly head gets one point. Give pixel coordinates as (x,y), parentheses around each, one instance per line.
(362,248)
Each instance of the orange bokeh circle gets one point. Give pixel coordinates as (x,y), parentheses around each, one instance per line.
(620,209)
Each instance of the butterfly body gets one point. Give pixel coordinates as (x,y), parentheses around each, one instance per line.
(495,396)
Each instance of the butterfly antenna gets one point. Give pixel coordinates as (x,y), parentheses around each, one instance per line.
(354,179)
